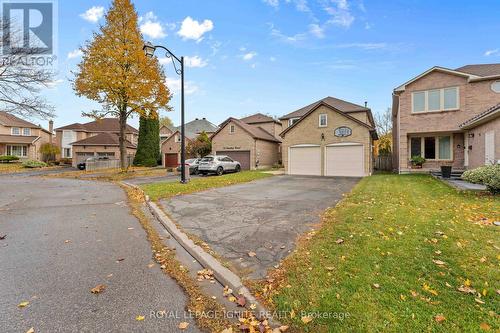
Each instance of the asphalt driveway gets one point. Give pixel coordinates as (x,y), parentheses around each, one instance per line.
(264,217)
(64,237)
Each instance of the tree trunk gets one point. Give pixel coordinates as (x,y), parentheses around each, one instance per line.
(123,128)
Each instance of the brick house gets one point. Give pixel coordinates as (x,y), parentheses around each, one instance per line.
(96,138)
(449,117)
(253,141)
(21,138)
(171,145)
(330,137)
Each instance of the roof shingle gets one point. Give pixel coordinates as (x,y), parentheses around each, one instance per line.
(480,69)
(103,139)
(99,125)
(5,138)
(480,116)
(258,118)
(336,103)
(9,119)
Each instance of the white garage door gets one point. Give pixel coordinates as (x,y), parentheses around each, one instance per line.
(346,160)
(305,160)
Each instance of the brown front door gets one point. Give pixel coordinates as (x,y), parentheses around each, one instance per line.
(170,160)
(241,156)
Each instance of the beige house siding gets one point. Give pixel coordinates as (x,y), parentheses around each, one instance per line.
(474,98)
(266,152)
(477,153)
(271,127)
(307,131)
(170,146)
(33,149)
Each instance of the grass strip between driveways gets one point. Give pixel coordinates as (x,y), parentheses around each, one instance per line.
(164,190)
(199,303)
(400,253)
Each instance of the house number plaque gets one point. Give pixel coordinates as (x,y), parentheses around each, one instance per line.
(343,131)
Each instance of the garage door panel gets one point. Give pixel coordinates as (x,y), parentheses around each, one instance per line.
(171,160)
(242,156)
(305,161)
(344,161)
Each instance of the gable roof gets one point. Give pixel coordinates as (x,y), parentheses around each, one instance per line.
(333,102)
(373,132)
(480,69)
(259,118)
(103,139)
(99,125)
(8,119)
(195,127)
(7,138)
(254,131)
(482,117)
(476,72)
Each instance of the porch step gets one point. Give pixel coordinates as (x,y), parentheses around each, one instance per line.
(455,174)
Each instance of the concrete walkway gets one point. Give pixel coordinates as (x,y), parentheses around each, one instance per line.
(64,237)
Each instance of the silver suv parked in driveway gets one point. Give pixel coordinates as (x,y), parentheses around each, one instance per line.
(218,164)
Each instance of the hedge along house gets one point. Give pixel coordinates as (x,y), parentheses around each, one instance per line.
(251,144)
(171,146)
(330,137)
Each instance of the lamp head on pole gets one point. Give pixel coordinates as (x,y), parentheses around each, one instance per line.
(149,49)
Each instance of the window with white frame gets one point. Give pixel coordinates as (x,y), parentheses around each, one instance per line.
(292,121)
(26,131)
(67,152)
(231,129)
(15,131)
(17,150)
(323,120)
(435,100)
(431,147)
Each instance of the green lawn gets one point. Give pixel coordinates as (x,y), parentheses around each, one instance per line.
(383,275)
(166,190)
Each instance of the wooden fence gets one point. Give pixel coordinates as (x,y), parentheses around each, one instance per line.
(383,162)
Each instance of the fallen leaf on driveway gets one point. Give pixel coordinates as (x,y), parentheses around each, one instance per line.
(120,259)
(183,325)
(3,237)
(130,228)
(439,318)
(252,254)
(306,319)
(339,241)
(241,301)
(23,304)
(98,289)
(151,265)
(139,318)
(31,330)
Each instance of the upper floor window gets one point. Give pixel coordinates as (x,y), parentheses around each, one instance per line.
(495,86)
(292,121)
(15,131)
(26,131)
(323,120)
(231,129)
(435,100)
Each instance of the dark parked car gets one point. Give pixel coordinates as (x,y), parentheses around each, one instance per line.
(83,165)
(193,164)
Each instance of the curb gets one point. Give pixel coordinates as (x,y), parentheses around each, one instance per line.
(221,273)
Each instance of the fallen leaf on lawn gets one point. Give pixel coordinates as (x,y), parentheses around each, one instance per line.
(479,301)
(427,288)
(23,304)
(448,285)
(376,285)
(498,291)
(439,318)
(292,314)
(439,262)
(485,326)
(183,325)
(466,290)
(232,299)
(483,259)
(139,318)
(467,283)
(330,268)
(403,297)
(306,319)
(413,293)
(241,301)
(31,330)
(437,252)
(339,241)
(98,289)
(252,254)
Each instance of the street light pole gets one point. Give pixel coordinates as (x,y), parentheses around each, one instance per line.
(149,50)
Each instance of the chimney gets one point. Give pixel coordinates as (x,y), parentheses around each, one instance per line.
(366,104)
(51,129)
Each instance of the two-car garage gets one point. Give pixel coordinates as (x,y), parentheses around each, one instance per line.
(340,160)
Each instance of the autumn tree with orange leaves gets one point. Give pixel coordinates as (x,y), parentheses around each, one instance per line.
(116,73)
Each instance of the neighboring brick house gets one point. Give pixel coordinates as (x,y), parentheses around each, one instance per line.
(448,116)
(252,141)
(166,132)
(171,147)
(21,138)
(330,137)
(96,138)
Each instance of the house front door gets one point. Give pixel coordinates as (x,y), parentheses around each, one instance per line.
(489,148)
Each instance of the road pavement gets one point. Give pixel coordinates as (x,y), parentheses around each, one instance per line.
(66,236)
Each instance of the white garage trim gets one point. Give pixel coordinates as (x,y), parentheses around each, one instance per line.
(362,171)
(317,169)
